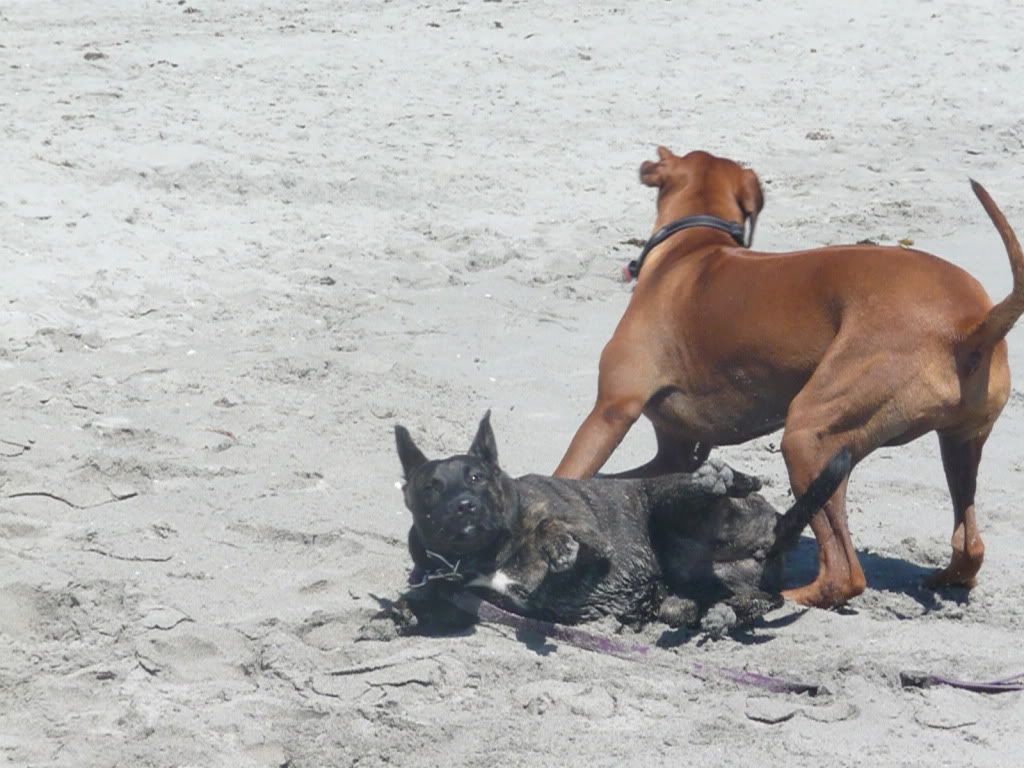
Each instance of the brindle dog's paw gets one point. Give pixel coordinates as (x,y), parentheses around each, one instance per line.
(560,551)
(751,607)
(600,548)
(678,611)
(743,485)
(721,479)
(425,610)
(719,619)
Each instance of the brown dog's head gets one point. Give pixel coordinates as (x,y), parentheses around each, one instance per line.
(700,183)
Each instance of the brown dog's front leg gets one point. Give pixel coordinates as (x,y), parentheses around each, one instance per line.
(673,456)
(598,436)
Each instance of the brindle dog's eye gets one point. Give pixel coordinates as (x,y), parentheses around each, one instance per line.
(432,491)
(475,477)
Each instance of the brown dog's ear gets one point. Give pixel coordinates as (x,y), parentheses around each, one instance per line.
(484,445)
(651,173)
(410,456)
(751,201)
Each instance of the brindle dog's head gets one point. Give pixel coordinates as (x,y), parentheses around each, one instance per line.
(700,183)
(460,505)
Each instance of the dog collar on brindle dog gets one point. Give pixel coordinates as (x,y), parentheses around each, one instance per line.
(687,222)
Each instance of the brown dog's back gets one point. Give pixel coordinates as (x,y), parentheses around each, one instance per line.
(763,322)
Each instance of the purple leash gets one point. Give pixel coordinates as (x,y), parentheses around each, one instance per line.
(492,614)
(588,641)
(910,679)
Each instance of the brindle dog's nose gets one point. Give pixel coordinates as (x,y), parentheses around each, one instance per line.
(466,506)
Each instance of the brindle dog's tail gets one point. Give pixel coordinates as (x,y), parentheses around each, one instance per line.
(791,524)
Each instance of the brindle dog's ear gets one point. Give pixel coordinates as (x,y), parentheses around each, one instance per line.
(751,201)
(484,446)
(410,456)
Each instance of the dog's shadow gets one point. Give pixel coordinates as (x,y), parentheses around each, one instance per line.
(884,573)
(540,643)
(895,576)
(745,635)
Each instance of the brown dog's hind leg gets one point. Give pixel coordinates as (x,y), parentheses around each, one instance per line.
(960,459)
(840,576)
(810,439)
(857,399)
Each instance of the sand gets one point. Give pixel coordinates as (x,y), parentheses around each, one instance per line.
(240,241)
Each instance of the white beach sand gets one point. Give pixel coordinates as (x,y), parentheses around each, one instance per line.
(241,240)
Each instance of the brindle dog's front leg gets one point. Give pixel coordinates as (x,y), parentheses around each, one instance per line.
(563,544)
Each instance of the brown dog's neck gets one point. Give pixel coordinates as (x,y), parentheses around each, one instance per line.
(687,242)
(733,227)
(674,210)
(735,231)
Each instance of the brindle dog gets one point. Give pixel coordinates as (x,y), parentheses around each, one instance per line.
(575,550)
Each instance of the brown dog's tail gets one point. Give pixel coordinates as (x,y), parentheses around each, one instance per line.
(1002,316)
(790,525)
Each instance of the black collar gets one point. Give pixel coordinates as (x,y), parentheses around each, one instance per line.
(730,227)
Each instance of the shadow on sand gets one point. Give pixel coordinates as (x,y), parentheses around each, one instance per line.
(884,573)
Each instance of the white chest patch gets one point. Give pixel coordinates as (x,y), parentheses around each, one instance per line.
(499,582)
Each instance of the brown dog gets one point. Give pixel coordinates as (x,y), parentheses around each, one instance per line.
(852,346)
